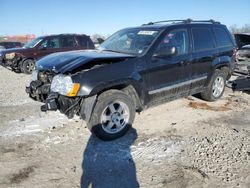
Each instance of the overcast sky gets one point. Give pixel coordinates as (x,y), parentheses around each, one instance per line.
(107,16)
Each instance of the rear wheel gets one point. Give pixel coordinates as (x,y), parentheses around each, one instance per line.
(112,116)
(28,66)
(215,87)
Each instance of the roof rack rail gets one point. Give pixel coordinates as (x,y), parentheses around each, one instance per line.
(184,21)
(207,21)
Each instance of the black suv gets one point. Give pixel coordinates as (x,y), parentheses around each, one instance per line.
(134,69)
(23,59)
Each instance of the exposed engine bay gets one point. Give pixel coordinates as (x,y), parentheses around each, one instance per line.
(40,85)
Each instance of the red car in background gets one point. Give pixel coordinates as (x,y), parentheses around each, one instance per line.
(23,59)
(7,45)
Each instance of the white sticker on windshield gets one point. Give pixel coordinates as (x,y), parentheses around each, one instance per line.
(146,32)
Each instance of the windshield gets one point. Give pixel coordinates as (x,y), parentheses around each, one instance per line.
(33,43)
(130,41)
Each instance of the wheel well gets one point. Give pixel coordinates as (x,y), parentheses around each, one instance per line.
(28,59)
(24,59)
(129,90)
(226,70)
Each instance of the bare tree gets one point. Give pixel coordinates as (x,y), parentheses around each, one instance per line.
(234,29)
(244,29)
(95,37)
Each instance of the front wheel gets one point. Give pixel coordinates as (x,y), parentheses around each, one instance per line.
(215,87)
(112,116)
(28,66)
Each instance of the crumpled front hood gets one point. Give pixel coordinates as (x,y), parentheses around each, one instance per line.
(68,61)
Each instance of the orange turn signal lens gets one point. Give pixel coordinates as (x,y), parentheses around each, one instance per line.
(74,90)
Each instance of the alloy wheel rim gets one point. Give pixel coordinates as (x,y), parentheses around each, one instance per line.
(30,66)
(115,117)
(218,86)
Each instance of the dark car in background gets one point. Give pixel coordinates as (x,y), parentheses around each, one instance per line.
(134,69)
(23,59)
(243,54)
(7,45)
(242,39)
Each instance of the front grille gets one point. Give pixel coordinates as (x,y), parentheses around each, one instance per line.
(45,76)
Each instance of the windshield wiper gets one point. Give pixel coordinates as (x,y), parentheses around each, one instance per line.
(121,52)
(111,51)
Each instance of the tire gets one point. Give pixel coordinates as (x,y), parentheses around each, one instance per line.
(216,86)
(112,116)
(28,66)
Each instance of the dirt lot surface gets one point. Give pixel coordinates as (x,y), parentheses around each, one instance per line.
(184,143)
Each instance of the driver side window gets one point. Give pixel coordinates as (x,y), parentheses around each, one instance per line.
(176,38)
(50,43)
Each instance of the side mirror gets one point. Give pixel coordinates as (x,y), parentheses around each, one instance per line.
(165,52)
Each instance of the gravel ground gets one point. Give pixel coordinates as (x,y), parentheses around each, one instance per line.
(184,143)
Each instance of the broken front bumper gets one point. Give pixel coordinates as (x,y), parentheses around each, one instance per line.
(38,91)
(51,103)
(14,63)
(70,106)
(66,105)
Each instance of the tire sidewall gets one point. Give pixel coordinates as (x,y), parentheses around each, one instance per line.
(217,74)
(95,122)
(24,66)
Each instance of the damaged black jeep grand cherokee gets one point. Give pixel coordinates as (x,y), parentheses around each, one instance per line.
(134,69)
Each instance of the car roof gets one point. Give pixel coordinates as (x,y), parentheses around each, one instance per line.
(64,34)
(160,24)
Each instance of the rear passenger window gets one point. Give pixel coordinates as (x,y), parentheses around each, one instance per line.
(222,37)
(202,39)
(68,42)
(85,42)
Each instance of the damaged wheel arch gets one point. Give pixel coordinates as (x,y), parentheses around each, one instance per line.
(88,104)
(129,87)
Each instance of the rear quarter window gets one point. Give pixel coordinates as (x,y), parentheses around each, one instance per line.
(202,39)
(222,37)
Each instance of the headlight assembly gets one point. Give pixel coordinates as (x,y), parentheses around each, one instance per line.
(64,85)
